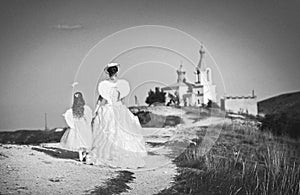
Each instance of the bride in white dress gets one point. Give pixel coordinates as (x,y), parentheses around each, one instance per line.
(118,140)
(79,136)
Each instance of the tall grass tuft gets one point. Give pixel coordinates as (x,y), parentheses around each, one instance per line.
(262,165)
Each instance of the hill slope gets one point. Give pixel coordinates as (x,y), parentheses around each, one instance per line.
(286,103)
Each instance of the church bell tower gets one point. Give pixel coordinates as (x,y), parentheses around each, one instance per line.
(200,65)
(181,74)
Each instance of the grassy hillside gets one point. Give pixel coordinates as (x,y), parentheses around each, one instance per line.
(33,137)
(243,160)
(286,103)
(282,114)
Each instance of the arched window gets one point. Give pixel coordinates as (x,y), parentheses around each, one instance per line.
(207,75)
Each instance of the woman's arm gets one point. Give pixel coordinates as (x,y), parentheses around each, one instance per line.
(97,108)
(122,100)
(100,102)
(103,102)
(119,97)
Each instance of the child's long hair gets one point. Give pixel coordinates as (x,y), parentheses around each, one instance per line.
(78,105)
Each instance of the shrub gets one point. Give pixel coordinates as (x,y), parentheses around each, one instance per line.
(280,124)
(157,96)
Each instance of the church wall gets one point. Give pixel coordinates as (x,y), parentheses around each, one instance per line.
(209,93)
(240,105)
(213,93)
(181,91)
(197,100)
(209,90)
(192,100)
(198,90)
(197,97)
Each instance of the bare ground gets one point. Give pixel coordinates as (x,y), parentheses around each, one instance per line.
(49,170)
(28,171)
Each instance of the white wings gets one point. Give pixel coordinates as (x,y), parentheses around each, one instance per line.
(105,88)
(123,87)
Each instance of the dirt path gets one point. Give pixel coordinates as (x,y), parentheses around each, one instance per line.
(151,181)
(27,170)
(160,170)
(49,170)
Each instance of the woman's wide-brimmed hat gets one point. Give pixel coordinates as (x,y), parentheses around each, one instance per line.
(112,64)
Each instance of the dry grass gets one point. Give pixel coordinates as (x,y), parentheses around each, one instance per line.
(244,160)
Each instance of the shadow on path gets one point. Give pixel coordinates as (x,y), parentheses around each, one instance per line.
(57,152)
(115,185)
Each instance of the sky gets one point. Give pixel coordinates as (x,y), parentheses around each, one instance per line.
(249,45)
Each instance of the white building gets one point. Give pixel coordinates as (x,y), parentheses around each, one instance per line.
(240,104)
(197,93)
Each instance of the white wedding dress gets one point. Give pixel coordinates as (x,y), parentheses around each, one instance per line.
(79,135)
(118,140)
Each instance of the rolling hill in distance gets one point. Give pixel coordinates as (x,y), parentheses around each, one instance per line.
(288,103)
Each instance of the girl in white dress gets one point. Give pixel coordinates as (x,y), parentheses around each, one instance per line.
(118,140)
(79,136)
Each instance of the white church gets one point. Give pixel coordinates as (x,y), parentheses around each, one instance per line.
(197,93)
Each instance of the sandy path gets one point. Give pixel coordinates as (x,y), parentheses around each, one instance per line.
(150,181)
(27,171)
(160,170)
